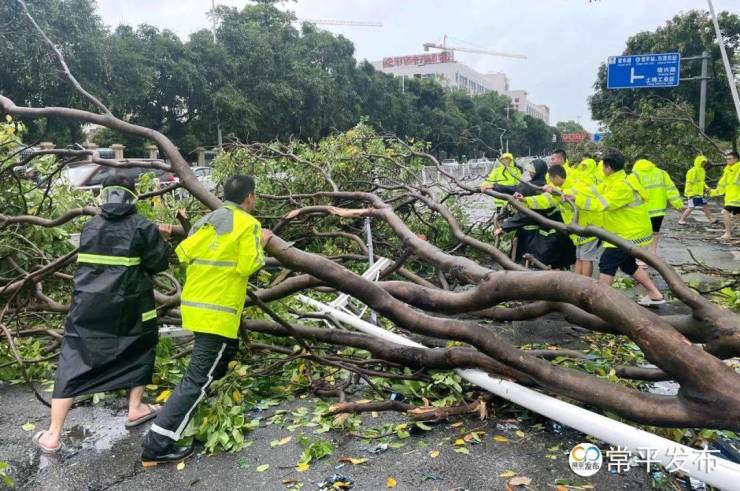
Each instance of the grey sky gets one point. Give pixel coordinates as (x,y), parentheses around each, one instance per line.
(565,40)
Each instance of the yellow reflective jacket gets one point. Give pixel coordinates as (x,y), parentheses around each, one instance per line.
(586,172)
(622,201)
(224,248)
(659,186)
(568,170)
(585,217)
(729,185)
(505,175)
(696,179)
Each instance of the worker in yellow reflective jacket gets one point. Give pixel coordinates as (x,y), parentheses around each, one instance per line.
(223,249)
(504,174)
(588,249)
(587,172)
(696,187)
(661,192)
(622,202)
(729,187)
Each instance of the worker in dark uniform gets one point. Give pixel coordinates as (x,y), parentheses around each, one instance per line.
(110,335)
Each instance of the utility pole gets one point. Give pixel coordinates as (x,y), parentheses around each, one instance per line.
(703,78)
(725,60)
(218,118)
(703,91)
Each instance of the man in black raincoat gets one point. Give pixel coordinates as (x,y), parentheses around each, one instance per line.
(110,335)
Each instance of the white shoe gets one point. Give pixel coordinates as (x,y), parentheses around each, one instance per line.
(646,301)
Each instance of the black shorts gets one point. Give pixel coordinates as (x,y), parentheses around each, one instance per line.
(733,209)
(657,222)
(614,258)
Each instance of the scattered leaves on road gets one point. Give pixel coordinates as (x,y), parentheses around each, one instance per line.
(500,439)
(434,454)
(282,441)
(391,482)
(28,427)
(520,481)
(353,460)
(180,466)
(163,396)
(263,467)
(506,474)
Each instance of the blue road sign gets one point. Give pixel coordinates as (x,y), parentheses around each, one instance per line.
(646,71)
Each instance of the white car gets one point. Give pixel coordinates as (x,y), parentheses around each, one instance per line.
(450,162)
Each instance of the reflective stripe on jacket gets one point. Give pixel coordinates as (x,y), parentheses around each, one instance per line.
(696,179)
(506,175)
(623,208)
(659,186)
(729,185)
(223,250)
(585,217)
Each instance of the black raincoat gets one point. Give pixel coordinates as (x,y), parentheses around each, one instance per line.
(111,335)
(526,228)
(552,248)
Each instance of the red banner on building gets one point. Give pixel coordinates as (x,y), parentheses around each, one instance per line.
(425,59)
(574,137)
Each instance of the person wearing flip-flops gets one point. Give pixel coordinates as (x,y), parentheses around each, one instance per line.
(621,200)
(110,334)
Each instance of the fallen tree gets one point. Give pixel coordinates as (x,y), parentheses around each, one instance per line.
(448,286)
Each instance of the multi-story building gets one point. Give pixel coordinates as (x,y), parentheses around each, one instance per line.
(443,68)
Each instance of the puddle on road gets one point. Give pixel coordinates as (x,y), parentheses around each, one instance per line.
(99,433)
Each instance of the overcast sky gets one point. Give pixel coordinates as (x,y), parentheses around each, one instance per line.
(565,40)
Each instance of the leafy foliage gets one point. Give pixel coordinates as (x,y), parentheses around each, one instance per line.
(262,79)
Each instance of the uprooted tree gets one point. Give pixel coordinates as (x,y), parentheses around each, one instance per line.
(451,286)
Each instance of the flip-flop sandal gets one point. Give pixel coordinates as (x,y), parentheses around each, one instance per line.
(143,419)
(44,448)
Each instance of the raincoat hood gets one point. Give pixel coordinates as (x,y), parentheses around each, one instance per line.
(507,155)
(587,166)
(540,169)
(699,161)
(116,211)
(643,165)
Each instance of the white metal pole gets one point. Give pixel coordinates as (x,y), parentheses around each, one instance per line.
(724,474)
(725,60)
(370,258)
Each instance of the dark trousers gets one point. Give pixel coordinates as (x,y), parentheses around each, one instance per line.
(208,362)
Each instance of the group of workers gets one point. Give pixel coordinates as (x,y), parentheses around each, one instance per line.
(111,331)
(630,206)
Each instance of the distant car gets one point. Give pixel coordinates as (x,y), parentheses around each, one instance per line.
(450,162)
